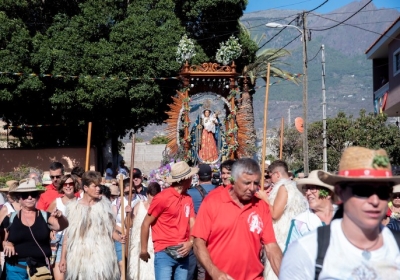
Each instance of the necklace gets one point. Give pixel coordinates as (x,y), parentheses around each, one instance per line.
(365,253)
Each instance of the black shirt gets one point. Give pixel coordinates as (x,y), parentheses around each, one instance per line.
(21,237)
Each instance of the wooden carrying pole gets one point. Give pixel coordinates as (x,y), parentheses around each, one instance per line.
(89,136)
(264,143)
(281,141)
(121,187)
(129,218)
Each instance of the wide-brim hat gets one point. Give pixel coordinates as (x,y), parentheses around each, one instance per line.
(359,164)
(313,180)
(11,185)
(181,171)
(27,185)
(396,189)
(46,180)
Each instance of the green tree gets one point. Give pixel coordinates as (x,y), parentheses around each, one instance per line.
(367,130)
(110,39)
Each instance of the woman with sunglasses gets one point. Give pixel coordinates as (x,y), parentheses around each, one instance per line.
(27,245)
(116,207)
(69,185)
(394,209)
(320,197)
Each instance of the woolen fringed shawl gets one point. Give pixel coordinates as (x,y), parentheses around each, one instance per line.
(90,246)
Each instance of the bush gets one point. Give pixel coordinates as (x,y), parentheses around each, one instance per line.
(160,139)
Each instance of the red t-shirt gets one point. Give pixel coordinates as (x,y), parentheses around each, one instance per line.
(234,235)
(47,197)
(173,211)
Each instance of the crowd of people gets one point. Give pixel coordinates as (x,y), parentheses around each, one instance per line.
(323,226)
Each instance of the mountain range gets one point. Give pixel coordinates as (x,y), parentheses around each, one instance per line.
(348,72)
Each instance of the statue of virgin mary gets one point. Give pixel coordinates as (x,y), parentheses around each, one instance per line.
(208,151)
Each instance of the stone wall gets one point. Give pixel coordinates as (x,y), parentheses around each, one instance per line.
(147,156)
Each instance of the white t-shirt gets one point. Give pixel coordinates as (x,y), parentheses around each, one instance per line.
(134,201)
(342,259)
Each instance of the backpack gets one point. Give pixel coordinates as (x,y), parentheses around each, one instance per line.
(13,214)
(323,238)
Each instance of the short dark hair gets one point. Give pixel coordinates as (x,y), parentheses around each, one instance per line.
(279,164)
(104,190)
(78,171)
(57,165)
(64,178)
(126,182)
(90,177)
(153,188)
(227,164)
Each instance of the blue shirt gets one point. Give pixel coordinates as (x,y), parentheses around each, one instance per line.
(196,196)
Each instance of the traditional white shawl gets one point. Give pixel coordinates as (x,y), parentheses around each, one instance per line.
(90,246)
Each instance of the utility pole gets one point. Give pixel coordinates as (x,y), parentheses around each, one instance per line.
(324,153)
(305,94)
(289,118)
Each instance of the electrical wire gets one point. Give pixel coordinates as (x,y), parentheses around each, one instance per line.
(275,35)
(315,55)
(317,7)
(355,26)
(343,20)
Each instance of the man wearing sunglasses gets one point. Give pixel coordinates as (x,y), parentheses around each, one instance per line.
(356,246)
(51,193)
(137,180)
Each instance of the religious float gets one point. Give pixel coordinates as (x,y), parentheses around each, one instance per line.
(211,117)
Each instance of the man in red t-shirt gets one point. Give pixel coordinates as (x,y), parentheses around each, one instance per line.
(171,217)
(233,226)
(51,193)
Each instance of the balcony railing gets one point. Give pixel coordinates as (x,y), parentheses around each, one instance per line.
(381,91)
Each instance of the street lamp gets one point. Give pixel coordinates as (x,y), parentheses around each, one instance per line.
(305,86)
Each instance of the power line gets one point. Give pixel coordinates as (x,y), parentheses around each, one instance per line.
(345,19)
(314,55)
(355,26)
(317,7)
(275,35)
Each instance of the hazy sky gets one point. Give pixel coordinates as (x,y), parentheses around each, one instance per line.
(257,5)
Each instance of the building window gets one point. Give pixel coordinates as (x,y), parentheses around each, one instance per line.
(396,62)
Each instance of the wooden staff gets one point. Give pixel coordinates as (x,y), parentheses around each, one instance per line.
(121,187)
(264,145)
(89,135)
(281,142)
(129,218)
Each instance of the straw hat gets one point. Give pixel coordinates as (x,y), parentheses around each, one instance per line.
(181,171)
(46,180)
(359,164)
(114,190)
(11,185)
(27,185)
(313,180)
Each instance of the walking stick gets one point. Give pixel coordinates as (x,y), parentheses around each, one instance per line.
(89,136)
(121,187)
(264,145)
(281,142)
(129,218)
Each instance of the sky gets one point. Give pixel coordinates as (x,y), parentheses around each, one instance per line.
(258,5)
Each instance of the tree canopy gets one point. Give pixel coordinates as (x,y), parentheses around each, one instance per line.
(103,56)
(366,130)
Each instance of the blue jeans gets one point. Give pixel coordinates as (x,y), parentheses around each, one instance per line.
(192,265)
(165,267)
(118,250)
(16,273)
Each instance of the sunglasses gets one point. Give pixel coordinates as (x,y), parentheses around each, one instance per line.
(71,184)
(396,195)
(309,187)
(26,195)
(383,191)
(55,177)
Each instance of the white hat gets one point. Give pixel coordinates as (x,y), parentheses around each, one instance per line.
(46,180)
(313,180)
(27,185)
(11,185)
